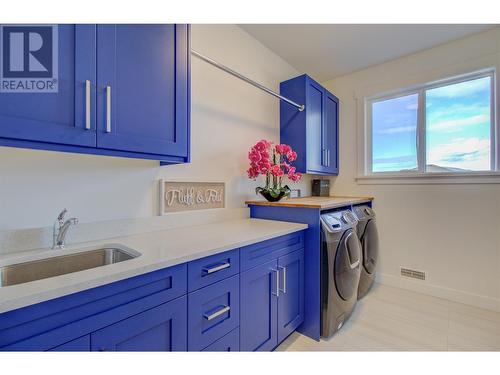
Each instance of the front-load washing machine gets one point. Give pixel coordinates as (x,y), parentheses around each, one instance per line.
(368,236)
(340,269)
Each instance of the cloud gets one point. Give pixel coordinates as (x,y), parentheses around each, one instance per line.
(444,108)
(460,89)
(394,163)
(396,159)
(397,130)
(455,124)
(466,153)
(460,157)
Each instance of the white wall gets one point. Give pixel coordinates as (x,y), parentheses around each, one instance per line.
(228,116)
(450,231)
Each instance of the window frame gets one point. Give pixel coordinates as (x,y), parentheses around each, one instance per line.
(421,128)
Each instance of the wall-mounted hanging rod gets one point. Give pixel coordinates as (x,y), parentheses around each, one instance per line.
(300,107)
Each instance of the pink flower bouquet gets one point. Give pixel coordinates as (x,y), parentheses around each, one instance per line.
(274,162)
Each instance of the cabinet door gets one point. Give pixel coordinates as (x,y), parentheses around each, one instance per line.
(315,112)
(163,328)
(142,88)
(81,344)
(291,296)
(330,133)
(259,302)
(66,116)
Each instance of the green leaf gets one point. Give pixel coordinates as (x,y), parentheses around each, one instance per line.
(287,190)
(275,192)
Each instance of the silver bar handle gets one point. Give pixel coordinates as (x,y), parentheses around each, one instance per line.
(284,279)
(277,273)
(327,157)
(108,109)
(87,104)
(219,312)
(217,268)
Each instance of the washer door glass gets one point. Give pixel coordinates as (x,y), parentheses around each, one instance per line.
(369,241)
(346,269)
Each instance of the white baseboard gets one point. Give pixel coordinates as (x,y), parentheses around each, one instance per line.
(454,295)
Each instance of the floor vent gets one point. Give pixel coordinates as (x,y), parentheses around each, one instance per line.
(406,272)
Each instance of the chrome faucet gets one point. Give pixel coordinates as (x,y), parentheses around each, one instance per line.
(61,229)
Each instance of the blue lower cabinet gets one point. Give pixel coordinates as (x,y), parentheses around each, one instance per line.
(229,343)
(291,297)
(265,251)
(213,312)
(259,307)
(223,309)
(81,344)
(272,301)
(162,328)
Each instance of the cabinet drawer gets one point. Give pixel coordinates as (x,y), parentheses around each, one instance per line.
(262,252)
(206,271)
(229,343)
(213,312)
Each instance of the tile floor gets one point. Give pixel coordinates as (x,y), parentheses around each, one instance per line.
(393,319)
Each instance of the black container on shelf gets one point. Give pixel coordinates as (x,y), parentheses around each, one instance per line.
(320,188)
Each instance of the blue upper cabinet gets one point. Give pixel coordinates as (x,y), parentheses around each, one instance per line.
(313,133)
(63,113)
(121,90)
(142,93)
(331,133)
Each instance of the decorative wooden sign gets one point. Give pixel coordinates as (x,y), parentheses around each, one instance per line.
(190,196)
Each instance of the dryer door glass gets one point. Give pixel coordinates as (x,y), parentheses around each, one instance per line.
(370,246)
(346,269)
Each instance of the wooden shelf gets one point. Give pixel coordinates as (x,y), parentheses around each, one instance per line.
(321,203)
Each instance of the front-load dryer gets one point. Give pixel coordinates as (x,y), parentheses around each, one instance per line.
(368,236)
(340,269)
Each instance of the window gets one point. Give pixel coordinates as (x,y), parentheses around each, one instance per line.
(444,127)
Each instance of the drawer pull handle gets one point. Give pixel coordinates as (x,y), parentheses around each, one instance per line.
(217,313)
(217,268)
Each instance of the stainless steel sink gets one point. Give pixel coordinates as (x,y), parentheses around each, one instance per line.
(60,265)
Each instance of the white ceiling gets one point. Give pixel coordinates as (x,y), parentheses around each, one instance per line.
(328,51)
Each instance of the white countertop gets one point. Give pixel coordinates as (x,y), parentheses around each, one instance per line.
(158,250)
